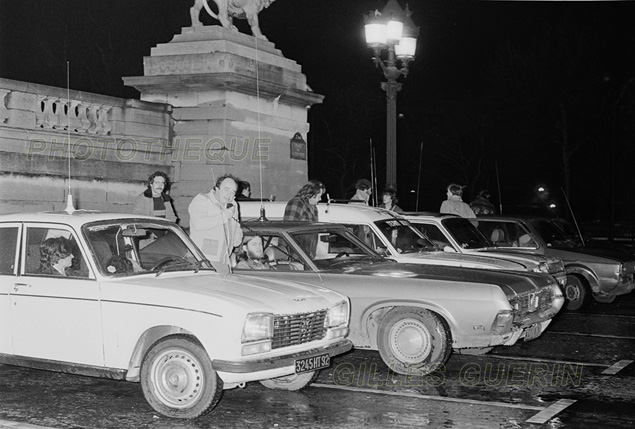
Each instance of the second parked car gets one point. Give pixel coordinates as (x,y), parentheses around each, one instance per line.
(413,314)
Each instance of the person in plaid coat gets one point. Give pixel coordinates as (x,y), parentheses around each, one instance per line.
(302,206)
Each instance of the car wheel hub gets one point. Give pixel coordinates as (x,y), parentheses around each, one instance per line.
(177,378)
(572,293)
(410,341)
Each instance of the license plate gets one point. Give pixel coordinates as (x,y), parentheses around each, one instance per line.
(312,363)
(533,332)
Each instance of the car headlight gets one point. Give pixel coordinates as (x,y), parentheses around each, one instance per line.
(542,267)
(337,315)
(503,322)
(258,327)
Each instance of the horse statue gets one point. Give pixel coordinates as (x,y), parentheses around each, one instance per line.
(230,9)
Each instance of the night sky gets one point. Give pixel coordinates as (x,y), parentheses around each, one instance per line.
(485,96)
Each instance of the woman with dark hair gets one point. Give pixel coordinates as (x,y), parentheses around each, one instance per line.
(389,200)
(154,201)
(302,206)
(56,257)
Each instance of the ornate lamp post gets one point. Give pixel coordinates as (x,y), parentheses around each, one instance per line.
(392,31)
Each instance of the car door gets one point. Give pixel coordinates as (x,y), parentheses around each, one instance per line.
(9,237)
(55,317)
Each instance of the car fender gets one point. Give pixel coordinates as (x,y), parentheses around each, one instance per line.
(146,340)
(372,316)
(586,273)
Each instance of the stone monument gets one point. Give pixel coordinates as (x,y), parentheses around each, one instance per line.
(239,107)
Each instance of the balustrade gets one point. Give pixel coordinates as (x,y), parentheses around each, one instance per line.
(82,117)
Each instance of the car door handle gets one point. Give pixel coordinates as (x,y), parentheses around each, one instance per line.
(16,286)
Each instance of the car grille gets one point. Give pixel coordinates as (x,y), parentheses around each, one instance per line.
(298,329)
(532,302)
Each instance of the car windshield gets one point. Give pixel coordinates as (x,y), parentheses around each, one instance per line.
(507,233)
(466,234)
(124,248)
(552,234)
(328,249)
(404,237)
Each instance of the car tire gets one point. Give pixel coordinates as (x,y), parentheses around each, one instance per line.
(413,341)
(178,380)
(291,382)
(577,293)
(605,299)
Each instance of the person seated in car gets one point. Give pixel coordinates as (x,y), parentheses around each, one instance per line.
(56,257)
(119,264)
(252,257)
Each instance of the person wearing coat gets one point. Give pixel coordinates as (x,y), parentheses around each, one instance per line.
(154,201)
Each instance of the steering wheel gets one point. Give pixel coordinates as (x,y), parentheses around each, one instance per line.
(163,262)
(339,255)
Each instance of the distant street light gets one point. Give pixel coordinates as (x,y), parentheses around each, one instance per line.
(391,30)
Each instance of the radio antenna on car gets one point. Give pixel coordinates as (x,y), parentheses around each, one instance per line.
(577,227)
(69,198)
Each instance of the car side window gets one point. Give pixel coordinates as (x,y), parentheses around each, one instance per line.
(9,240)
(53,252)
(367,235)
(433,233)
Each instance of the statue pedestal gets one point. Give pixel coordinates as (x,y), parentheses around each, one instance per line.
(237,105)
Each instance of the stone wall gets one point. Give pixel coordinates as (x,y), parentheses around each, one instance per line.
(115,145)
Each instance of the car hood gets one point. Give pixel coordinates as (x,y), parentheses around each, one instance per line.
(600,252)
(467,260)
(512,283)
(526,259)
(199,291)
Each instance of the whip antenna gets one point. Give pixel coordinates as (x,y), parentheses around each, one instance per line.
(69,198)
(577,227)
(263,216)
(498,184)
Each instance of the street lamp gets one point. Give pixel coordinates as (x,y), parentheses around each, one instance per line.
(392,31)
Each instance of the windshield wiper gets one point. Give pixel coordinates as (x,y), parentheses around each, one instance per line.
(180,263)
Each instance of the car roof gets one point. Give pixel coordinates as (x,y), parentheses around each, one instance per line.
(515,217)
(435,215)
(75,218)
(328,211)
(290,226)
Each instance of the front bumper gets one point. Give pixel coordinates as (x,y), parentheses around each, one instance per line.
(254,366)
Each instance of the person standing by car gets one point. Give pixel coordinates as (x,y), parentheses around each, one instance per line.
(482,204)
(244,191)
(154,201)
(214,225)
(389,200)
(302,207)
(454,204)
(364,190)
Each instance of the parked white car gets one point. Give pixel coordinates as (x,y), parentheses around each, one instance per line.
(457,234)
(140,303)
(393,236)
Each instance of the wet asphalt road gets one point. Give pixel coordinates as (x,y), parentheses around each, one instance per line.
(576,375)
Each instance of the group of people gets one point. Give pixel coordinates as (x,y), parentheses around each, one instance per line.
(214,216)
